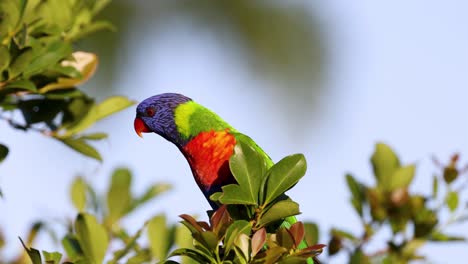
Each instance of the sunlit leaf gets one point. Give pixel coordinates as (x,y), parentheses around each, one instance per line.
(82,147)
(92,237)
(158,235)
(22,85)
(384,162)
(78,193)
(119,195)
(249,168)
(401,178)
(283,176)
(452,200)
(52,257)
(72,247)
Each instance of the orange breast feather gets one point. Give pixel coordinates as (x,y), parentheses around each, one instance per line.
(208,154)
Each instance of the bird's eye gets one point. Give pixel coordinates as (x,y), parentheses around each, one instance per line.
(150,111)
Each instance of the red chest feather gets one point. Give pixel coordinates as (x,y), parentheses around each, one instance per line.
(208,155)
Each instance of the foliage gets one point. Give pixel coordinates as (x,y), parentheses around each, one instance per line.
(414,219)
(40,72)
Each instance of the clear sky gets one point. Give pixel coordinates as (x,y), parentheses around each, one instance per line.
(396,71)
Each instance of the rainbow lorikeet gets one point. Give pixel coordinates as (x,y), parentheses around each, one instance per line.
(206,140)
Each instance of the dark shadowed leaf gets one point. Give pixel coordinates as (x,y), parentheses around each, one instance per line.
(283,176)
(195,254)
(3,152)
(34,254)
(278,211)
(5,61)
(285,238)
(359,257)
(72,247)
(92,237)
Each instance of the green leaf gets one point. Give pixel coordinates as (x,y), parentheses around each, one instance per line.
(233,232)
(97,112)
(78,194)
(130,243)
(82,147)
(283,176)
(21,62)
(158,235)
(72,247)
(435,186)
(21,84)
(278,211)
(34,254)
(248,168)
(10,16)
(119,196)
(311,233)
(384,162)
(359,257)
(92,237)
(52,257)
(94,136)
(3,152)
(452,201)
(441,237)
(343,234)
(195,254)
(401,178)
(5,61)
(52,54)
(183,239)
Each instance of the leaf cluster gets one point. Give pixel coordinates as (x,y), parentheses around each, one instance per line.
(414,219)
(40,71)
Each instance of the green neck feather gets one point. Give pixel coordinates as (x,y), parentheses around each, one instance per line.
(192,118)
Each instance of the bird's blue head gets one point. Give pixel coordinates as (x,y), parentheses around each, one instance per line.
(156,114)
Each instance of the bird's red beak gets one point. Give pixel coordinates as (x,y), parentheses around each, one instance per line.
(140,127)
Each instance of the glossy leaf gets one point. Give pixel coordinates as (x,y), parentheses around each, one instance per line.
(92,237)
(258,240)
(249,168)
(78,193)
(278,211)
(283,176)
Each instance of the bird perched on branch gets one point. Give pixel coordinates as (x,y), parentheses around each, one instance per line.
(206,140)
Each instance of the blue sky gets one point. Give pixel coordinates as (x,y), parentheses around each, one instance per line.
(396,72)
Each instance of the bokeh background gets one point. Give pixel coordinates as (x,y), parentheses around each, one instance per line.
(326,78)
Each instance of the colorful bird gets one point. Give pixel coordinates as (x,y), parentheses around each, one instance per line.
(206,140)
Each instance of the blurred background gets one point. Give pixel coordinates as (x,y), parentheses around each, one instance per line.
(325,78)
